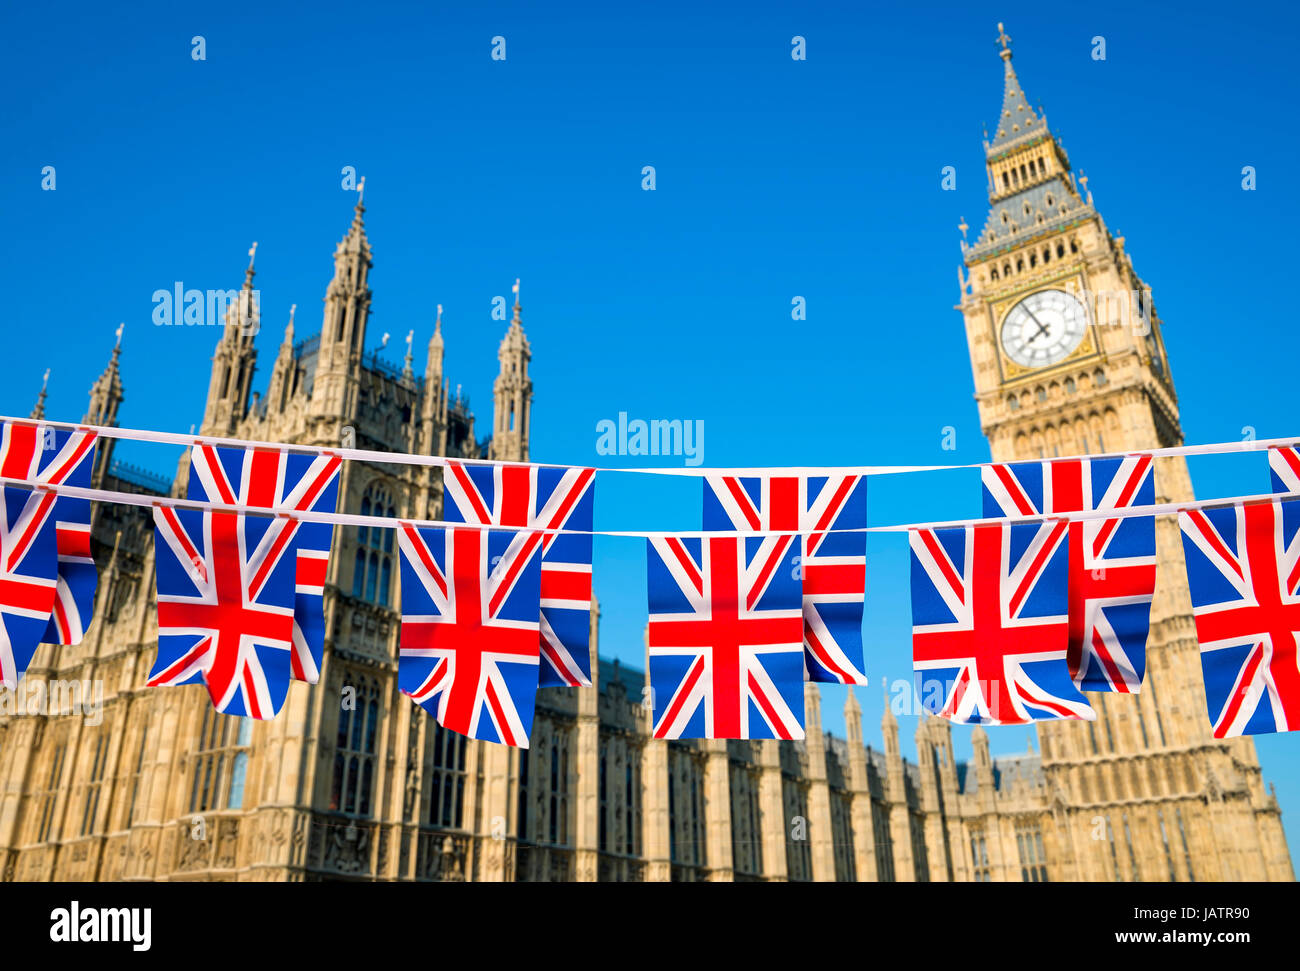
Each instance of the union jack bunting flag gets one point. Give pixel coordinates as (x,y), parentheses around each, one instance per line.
(833,563)
(1243,572)
(43,453)
(225,606)
(725,637)
(28,567)
(276,479)
(538,497)
(1112,574)
(470,644)
(1284,468)
(989,628)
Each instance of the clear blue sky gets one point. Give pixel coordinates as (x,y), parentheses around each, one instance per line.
(776,178)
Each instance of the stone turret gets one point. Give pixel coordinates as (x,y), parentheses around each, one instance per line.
(105,399)
(512,392)
(343,329)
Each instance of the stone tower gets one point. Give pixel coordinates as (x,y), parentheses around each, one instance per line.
(1069,358)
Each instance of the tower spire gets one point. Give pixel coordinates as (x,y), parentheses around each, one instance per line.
(249,273)
(343,330)
(359,211)
(433,367)
(512,392)
(1017,120)
(234,359)
(39,410)
(105,399)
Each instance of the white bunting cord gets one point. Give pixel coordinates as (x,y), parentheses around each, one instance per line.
(405,458)
(384,522)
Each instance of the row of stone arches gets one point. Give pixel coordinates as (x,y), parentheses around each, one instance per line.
(1029,259)
(1081,435)
(1057,390)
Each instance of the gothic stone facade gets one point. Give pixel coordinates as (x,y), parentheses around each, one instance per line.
(352,781)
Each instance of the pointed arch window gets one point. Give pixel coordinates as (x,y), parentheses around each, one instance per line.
(221,762)
(353,783)
(447,781)
(372,571)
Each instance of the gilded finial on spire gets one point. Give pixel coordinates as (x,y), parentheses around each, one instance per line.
(361,190)
(1005,41)
(293,309)
(963,227)
(515,289)
(437,322)
(121,327)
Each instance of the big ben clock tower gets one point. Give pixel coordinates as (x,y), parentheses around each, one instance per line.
(1069,358)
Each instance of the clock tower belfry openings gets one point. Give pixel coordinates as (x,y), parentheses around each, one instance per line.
(1068,358)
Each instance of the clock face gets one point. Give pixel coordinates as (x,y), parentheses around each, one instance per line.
(1043,328)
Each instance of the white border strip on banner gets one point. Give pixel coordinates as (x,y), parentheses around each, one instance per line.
(405,458)
(384,522)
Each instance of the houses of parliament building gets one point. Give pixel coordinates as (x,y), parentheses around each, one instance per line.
(351,781)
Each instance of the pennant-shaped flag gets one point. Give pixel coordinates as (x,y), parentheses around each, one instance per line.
(42,453)
(832,563)
(538,497)
(1243,572)
(1112,574)
(726,637)
(470,643)
(277,479)
(1284,467)
(28,567)
(225,606)
(989,623)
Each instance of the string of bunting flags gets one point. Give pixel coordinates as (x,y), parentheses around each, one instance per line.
(1016,616)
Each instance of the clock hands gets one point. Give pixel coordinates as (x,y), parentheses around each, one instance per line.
(1042,327)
